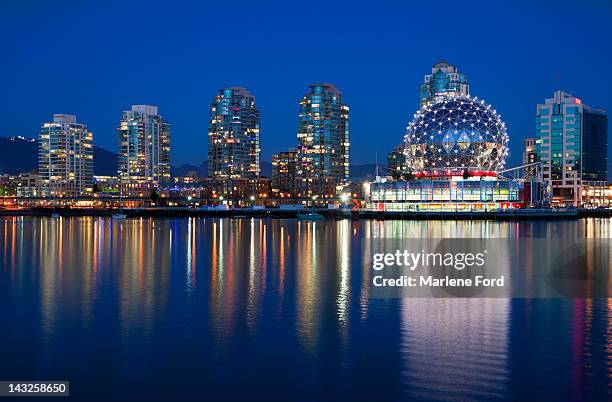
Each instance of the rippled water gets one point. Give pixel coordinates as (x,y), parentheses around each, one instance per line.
(220,309)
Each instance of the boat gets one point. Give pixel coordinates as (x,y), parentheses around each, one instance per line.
(311,216)
(120,215)
(54,213)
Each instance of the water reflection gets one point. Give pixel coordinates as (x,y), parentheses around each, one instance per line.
(455,349)
(255,299)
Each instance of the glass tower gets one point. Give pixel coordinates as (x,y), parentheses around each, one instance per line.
(144,151)
(444,80)
(572,142)
(233,136)
(65,159)
(323,150)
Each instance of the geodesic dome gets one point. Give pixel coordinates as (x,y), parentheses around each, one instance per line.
(456,134)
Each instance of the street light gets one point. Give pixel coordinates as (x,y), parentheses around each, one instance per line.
(252,198)
(344,197)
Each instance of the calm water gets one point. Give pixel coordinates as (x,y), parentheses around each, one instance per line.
(220,309)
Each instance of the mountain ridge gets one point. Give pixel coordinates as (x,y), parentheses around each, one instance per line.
(20,155)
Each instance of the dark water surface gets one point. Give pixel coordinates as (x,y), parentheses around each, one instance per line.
(250,309)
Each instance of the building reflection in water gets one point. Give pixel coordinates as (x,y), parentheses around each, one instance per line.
(236,283)
(458,345)
(306,277)
(450,346)
(343,265)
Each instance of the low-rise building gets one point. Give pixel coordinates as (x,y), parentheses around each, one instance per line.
(23,185)
(396,162)
(106,185)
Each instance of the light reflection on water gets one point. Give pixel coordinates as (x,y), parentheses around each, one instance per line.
(282,307)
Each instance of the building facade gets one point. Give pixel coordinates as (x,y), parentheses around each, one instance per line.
(530,155)
(233,137)
(529,151)
(21,185)
(144,151)
(444,80)
(472,194)
(396,162)
(65,159)
(244,192)
(284,174)
(106,185)
(572,143)
(323,150)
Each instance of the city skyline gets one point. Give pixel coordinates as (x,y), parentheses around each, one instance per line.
(306,201)
(392,59)
(256,151)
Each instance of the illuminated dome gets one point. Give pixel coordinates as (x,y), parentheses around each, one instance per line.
(456,134)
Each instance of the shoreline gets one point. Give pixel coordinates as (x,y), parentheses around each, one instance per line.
(331,214)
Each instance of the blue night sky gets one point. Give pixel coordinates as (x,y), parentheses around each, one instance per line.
(96,60)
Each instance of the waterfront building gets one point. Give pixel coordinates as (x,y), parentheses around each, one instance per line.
(455,149)
(529,151)
(233,138)
(572,143)
(65,158)
(444,80)
(106,185)
(22,185)
(596,194)
(323,152)
(7,186)
(284,174)
(244,192)
(450,194)
(530,156)
(144,151)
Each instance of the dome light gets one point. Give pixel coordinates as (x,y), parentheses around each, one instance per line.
(461,142)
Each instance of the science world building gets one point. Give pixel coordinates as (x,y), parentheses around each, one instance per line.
(455,150)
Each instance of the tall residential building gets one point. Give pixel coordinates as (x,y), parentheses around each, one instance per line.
(65,160)
(444,80)
(284,174)
(529,151)
(233,138)
(323,150)
(572,141)
(144,151)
